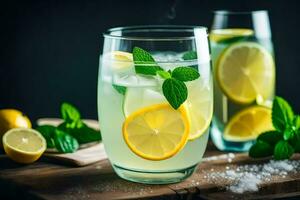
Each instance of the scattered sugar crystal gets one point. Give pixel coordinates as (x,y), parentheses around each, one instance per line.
(247,178)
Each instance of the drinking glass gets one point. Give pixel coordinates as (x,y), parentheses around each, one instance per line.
(244,78)
(146,139)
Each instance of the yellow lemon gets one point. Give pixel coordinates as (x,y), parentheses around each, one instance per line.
(24,145)
(156,132)
(248,124)
(246,72)
(11,118)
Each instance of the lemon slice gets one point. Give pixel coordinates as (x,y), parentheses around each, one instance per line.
(24,145)
(246,72)
(156,132)
(219,35)
(199,106)
(120,60)
(248,124)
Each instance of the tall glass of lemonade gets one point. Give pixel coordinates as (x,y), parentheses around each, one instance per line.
(244,77)
(155,101)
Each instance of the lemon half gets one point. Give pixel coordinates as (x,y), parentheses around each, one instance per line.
(24,145)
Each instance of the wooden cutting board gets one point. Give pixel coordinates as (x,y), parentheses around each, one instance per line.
(46,180)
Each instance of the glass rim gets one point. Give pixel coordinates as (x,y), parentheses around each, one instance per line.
(148,28)
(230,12)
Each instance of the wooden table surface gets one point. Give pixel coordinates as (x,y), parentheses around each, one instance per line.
(53,181)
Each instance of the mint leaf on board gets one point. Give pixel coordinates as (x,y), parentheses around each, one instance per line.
(164,74)
(189,55)
(48,132)
(69,113)
(261,149)
(119,89)
(144,62)
(175,92)
(283,150)
(282,114)
(270,137)
(64,142)
(185,74)
(81,132)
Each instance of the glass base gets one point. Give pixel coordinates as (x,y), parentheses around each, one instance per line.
(217,137)
(154,177)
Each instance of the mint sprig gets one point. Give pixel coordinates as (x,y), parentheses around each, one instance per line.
(174,88)
(68,135)
(284,141)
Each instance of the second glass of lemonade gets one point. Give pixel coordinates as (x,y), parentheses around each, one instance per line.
(155,101)
(244,77)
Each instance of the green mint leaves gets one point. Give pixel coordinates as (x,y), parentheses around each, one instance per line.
(190,55)
(69,134)
(144,63)
(185,74)
(283,142)
(282,114)
(174,88)
(175,92)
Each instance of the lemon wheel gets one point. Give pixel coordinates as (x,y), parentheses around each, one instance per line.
(246,72)
(156,132)
(248,124)
(220,35)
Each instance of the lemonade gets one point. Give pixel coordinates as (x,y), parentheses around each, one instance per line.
(145,138)
(244,86)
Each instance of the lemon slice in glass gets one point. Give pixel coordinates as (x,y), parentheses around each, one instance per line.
(199,106)
(221,35)
(246,72)
(120,60)
(248,124)
(24,145)
(156,132)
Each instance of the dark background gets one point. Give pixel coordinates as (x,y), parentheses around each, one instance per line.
(50,49)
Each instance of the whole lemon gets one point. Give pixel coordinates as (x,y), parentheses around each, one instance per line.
(12,118)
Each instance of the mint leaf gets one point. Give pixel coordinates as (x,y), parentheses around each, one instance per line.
(260,149)
(185,74)
(144,63)
(119,89)
(164,74)
(175,92)
(81,132)
(69,113)
(296,122)
(283,150)
(270,137)
(48,133)
(289,132)
(190,55)
(64,142)
(295,141)
(282,114)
